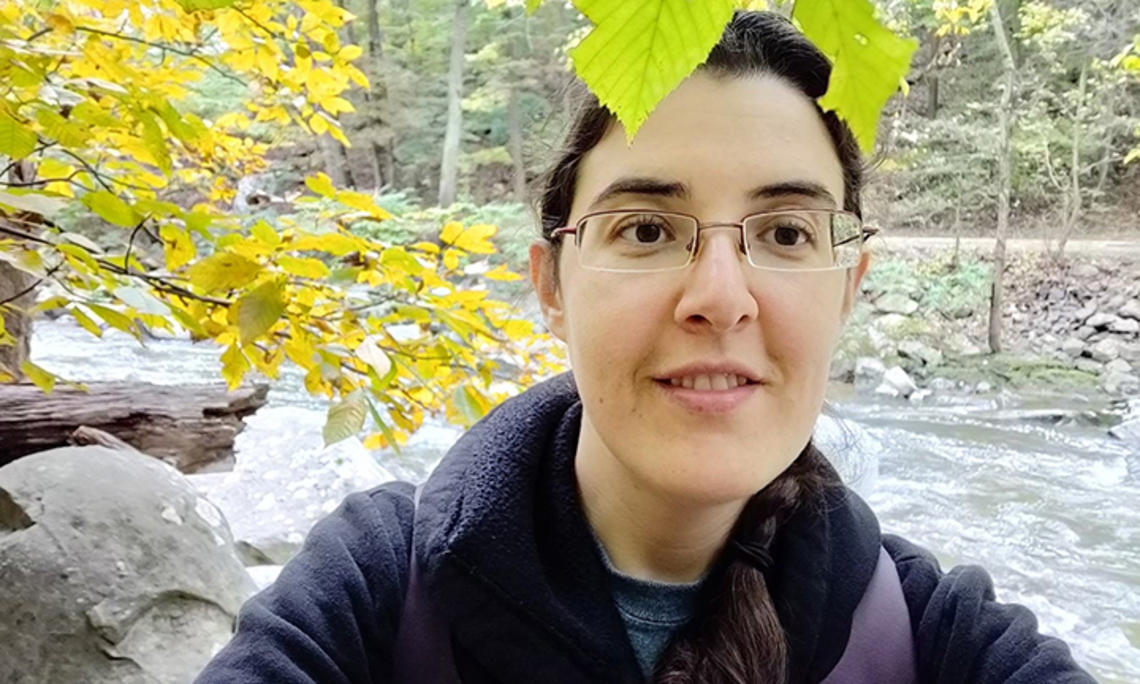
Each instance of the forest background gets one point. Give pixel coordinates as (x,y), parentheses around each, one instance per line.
(302,181)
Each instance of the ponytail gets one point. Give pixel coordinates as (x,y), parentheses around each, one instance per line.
(736,636)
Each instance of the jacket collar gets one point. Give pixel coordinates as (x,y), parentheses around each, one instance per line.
(509,557)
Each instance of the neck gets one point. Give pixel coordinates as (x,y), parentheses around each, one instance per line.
(646,533)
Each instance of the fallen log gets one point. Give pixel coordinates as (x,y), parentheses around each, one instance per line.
(191,427)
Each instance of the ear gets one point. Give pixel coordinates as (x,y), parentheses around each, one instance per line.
(854,278)
(546,287)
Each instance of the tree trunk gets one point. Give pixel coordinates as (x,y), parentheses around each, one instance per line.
(17,293)
(514,126)
(1073,215)
(191,427)
(932,97)
(449,166)
(381,158)
(336,161)
(1005,123)
(374,36)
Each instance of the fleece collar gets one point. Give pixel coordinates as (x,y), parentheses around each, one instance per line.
(509,558)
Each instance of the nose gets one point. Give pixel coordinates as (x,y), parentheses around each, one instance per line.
(716,292)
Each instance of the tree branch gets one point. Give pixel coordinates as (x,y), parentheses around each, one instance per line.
(162,46)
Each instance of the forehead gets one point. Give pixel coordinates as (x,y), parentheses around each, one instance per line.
(721,136)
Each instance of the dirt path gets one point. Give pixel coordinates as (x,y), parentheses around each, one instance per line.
(1117,247)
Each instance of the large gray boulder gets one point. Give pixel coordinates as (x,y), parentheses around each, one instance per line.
(112,570)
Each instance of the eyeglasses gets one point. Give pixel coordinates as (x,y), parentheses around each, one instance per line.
(640,240)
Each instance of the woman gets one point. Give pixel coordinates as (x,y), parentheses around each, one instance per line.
(661,515)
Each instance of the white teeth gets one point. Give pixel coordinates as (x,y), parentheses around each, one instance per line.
(716,381)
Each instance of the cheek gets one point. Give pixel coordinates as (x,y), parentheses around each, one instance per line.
(612,327)
(801,320)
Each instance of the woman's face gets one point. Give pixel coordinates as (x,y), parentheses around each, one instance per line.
(715,140)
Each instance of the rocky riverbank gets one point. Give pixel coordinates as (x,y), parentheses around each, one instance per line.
(920,326)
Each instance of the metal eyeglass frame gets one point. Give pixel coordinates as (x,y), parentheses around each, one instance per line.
(866,233)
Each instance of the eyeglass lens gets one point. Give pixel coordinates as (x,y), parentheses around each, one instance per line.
(792,240)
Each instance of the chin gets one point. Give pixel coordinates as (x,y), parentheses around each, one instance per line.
(710,478)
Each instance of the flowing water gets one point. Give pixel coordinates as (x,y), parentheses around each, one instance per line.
(1032,489)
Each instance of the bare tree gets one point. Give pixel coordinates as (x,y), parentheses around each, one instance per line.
(1005,124)
(449,165)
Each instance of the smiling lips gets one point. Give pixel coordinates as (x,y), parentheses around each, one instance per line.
(710,381)
(710,388)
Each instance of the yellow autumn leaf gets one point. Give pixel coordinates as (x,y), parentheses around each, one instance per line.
(111,208)
(451,231)
(375,441)
(474,239)
(501,272)
(223,271)
(319,124)
(336,105)
(320,184)
(335,244)
(451,259)
(361,201)
(234,366)
(85,321)
(177,247)
(306,267)
(41,378)
(258,310)
(350,52)
(339,136)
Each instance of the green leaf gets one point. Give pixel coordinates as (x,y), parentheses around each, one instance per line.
(223,271)
(63,131)
(467,404)
(16,140)
(194,5)
(112,209)
(258,310)
(383,426)
(639,51)
(40,378)
(869,60)
(345,418)
(85,321)
(155,141)
(532,6)
(115,319)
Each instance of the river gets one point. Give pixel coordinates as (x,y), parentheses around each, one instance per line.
(1031,488)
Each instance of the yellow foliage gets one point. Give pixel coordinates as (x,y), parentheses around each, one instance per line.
(95,99)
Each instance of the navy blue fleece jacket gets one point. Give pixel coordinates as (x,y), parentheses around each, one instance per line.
(510,560)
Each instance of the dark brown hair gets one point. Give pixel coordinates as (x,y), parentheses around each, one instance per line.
(736,635)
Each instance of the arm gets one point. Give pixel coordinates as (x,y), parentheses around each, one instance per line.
(962,634)
(331,616)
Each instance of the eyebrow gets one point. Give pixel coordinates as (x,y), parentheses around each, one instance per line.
(661,188)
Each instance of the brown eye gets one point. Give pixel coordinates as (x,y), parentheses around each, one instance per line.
(788,236)
(644,230)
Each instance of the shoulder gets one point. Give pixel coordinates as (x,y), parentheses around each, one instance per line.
(333,612)
(962,633)
(371,531)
